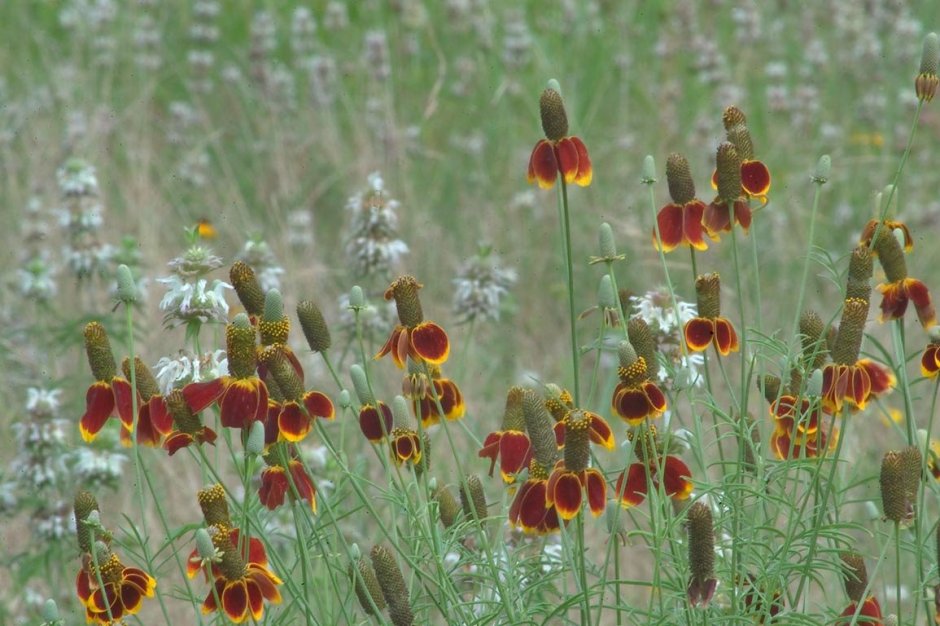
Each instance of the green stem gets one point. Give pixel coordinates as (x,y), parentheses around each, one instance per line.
(806,261)
(569,272)
(897,567)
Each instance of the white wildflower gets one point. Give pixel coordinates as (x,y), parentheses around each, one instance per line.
(185,368)
(480,287)
(201,301)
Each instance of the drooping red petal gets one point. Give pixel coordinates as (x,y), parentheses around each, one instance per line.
(124,401)
(559,430)
(858,390)
(200,395)
(585,170)
(131,598)
(244,402)
(430,342)
(742,215)
(631,404)
(403,348)
(292,423)
(726,339)
(451,399)
(835,383)
(567,154)
(543,168)
(675,476)
(893,301)
(176,441)
(755,178)
(390,344)
(717,218)
(490,449)
(700,591)
(267,582)
(882,380)
(920,296)
(780,443)
(274,487)
(255,600)
(870,609)
(692,229)
(160,415)
(99,404)
(596,488)
(514,454)
(600,432)
(147,434)
(532,506)
(671,226)
(699,332)
(655,397)
(209,605)
(304,484)
(930,361)
(631,485)
(565,493)
(372,420)
(235,600)
(83,586)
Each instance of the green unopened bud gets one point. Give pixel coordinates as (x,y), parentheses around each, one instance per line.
(473,498)
(361,384)
(273,305)
(254,445)
(356,298)
(823,169)
(854,576)
(345,401)
(204,545)
(50,611)
(393,586)
(605,237)
(552,112)
(925,85)
(679,179)
(649,170)
(605,294)
(540,427)
(126,289)
(314,326)
(401,413)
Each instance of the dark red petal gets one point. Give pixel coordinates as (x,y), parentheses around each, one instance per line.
(835,382)
(274,487)
(255,600)
(600,432)
(245,400)
(99,404)
(292,423)
(780,443)
(209,605)
(372,419)
(755,178)
(893,301)
(726,340)
(543,167)
(146,433)
(266,582)
(699,332)
(83,586)
(177,441)
(692,228)
(490,449)
(596,488)
(160,415)
(585,171)
(858,390)
(742,214)
(124,401)
(656,398)
(717,218)
(671,226)
(566,494)
(514,454)
(319,405)
(631,404)
(567,154)
(390,343)
(881,379)
(430,342)
(200,395)
(676,478)
(920,296)
(235,600)
(929,363)
(532,508)
(559,430)
(304,484)
(131,598)
(631,486)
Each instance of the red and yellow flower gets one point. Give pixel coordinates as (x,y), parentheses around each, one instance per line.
(755,176)
(375,421)
(709,327)
(796,429)
(854,385)
(530,510)
(243,582)
(869,613)
(930,360)
(189,429)
(404,446)
(122,593)
(275,484)
(653,467)
(295,419)
(887,228)
(680,221)
(572,479)
(511,448)
(558,153)
(729,207)
(896,295)
(425,395)
(110,394)
(153,418)
(636,397)
(421,340)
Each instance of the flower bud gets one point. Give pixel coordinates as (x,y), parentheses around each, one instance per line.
(247,288)
(126,289)
(608,247)
(812,337)
(605,294)
(400,411)
(345,401)
(733,116)
(552,112)
(823,169)
(254,445)
(679,179)
(313,326)
(356,298)
(50,611)
(649,170)
(925,85)
(361,384)
(204,545)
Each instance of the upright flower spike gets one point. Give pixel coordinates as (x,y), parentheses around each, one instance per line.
(680,222)
(275,485)
(422,392)
(243,582)
(153,418)
(671,471)
(423,341)
(189,428)
(530,509)
(572,479)
(110,394)
(247,288)
(314,326)
(300,408)
(636,397)
(755,177)
(708,327)
(557,153)
(895,499)
(473,498)
(393,586)
(729,207)
(926,82)
(242,395)
(701,532)
(900,288)
(122,594)
(366,586)
(510,444)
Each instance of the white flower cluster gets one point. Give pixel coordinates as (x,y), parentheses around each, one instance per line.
(666,322)
(97,468)
(186,302)
(174,373)
(480,287)
(372,243)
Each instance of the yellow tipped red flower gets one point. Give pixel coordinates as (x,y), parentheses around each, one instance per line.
(110,394)
(709,327)
(896,295)
(729,207)
(153,418)
(870,612)
(375,421)
(636,397)
(558,154)
(275,484)
(755,176)
(530,510)
(796,429)
(415,337)
(887,227)
(854,385)
(930,360)
(189,429)
(243,583)
(653,467)
(572,479)
(122,595)
(419,390)
(404,446)
(680,222)
(511,448)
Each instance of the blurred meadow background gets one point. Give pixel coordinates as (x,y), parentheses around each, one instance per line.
(274,123)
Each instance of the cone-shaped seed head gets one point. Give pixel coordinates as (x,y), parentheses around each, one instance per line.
(273,306)
(182,415)
(513,416)
(679,178)
(274,331)
(577,440)
(247,288)
(232,564)
(283,373)
(447,505)
(85,503)
(891,256)
(361,384)
(405,292)
(733,116)
(708,295)
(393,586)
(366,585)
(539,425)
(641,338)
(146,384)
(893,488)
(728,164)
(913,463)
(313,325)
(849,339)
(930,57)
(812,331)
(740,136)
(98,349)
(554,118)
(770,386)
(854,576)
(473,498)
(240,341)
(701,531)
(214,505)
